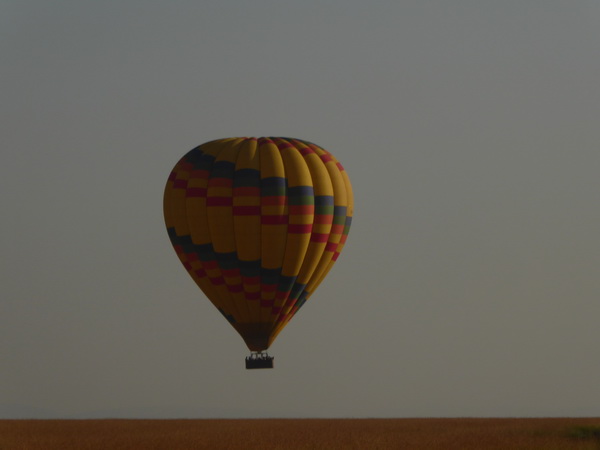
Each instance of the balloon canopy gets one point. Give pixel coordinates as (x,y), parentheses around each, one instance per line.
(258,223)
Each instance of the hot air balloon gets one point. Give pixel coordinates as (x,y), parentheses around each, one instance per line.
(258,223)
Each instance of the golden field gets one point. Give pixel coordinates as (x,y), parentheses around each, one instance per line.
(464,434)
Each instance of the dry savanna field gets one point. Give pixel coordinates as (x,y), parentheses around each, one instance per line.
(113,434)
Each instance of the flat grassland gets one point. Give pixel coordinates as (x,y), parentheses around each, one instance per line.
(464,434)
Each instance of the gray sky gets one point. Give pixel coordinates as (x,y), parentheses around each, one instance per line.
(470,130)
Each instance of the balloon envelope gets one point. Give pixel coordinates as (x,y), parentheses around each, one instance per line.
(258,223)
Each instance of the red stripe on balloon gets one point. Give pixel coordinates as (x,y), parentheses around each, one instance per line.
(301,209)
(180,184)
(200,174)
(219,201)
(324,218)
(325,157)
(268,287)
(217,281)
(246,191)
(282,295)
(209,265)
(319,237)
(263,141)
(283,145)
(246,210)
(231,272)
(337,229)
(187,166)
(331,247)
(220,182)
(299,229)
(195,192)
(251,281)
(274,200)
(191,257)
(235,288)
(274,220)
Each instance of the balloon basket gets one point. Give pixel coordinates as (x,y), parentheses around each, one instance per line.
(259,360)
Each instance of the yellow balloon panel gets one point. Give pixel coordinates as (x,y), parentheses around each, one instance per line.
(258,223)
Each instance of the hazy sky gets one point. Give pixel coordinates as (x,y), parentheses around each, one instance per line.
(470,129)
